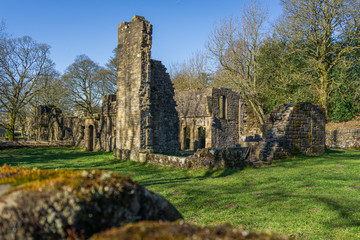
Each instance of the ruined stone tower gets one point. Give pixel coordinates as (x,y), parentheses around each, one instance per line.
(146,117)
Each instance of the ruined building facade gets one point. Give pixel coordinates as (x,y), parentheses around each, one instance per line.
(210,118)
(100,130)
(49,124)
(146,115)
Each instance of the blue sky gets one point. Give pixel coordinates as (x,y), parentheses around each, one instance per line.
(74,27)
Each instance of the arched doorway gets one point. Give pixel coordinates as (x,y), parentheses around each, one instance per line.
(201,137)
(90,140)
(186,138)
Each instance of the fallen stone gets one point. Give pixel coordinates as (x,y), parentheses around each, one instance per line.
(53,204)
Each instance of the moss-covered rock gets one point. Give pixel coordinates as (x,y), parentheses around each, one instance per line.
(146,230)
(51,204)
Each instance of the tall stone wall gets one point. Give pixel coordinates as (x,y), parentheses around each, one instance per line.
(133,87)
(144,103)
(291,129)
(164,130)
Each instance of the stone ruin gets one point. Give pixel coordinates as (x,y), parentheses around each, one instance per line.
(49,124)
(147,118)
(210,118)
(290,129)
(100,128)
(146,115)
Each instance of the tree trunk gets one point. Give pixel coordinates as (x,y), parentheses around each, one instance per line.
(323,91)
(11,127)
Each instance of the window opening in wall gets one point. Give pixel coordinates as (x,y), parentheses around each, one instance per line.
(91,138)
(202,137)
(186,138)
(222,105)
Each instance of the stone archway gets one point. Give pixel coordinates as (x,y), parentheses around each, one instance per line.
(187,139)
(201,137)
(90,138)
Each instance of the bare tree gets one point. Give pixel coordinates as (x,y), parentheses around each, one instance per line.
(235,44)
(51,90)
(85,87)
(22,63)
(191,74)
(323,31)
(108,75)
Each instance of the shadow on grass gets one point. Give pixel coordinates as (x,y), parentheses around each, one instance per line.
(329,156)
(38,150)
(66,159)
(345,213)
(337,202)
(218,173)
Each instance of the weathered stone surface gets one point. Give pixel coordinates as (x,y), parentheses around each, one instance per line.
(99,130)
(95,132)
(146,115)
(49,124)
(164,126)
(291,129)
(343,139)
(52,204)
(234,157)
(180,230)
(210,118)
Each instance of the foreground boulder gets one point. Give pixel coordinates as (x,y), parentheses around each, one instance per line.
(56,204)
(146,230)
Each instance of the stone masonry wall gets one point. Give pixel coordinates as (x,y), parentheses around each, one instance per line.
(164,131)
(194,112)
(200,109)
(49,124)
(133,87)
(145,120)
(234,157)
(343,139)
(296,128)
(229,128)
(100,128)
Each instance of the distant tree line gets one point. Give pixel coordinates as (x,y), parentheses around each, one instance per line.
(310,54)
(28,79)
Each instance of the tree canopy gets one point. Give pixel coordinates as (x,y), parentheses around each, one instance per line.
(22,63)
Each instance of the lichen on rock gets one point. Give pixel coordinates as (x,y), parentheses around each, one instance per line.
(50,204)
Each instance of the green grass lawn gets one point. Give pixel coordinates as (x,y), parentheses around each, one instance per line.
(306,197)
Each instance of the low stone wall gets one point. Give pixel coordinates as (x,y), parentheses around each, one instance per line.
(343,139)
(234,157)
